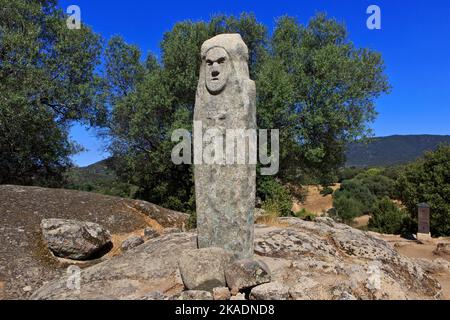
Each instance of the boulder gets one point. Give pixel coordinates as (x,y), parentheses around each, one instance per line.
(132,242)
(73,239)
(204,269)
(221,293)
(270,291)
(135,275)
(246,273)
(194,295)
(442,249)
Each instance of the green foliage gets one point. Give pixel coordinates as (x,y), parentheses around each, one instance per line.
(192,222)
(323,95)
(370,172)
(379,185)
(348,173)
(362,191)
(326,191)
(313,85)
(346,207)
(160,101)
(47,81)
(123,68)
(428,180)
(276,199)
(387,217)
(305,215)
(359,192)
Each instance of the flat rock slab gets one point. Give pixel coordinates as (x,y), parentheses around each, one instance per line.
(204,269)
(148,271)
(71,239)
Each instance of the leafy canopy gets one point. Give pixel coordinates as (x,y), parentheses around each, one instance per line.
(312,83)
(47,81)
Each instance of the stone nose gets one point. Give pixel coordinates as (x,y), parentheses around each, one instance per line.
(215,73)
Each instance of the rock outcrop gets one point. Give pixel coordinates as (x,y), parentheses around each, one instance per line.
(148,271)
(26,262)
(307,260)
(327,260)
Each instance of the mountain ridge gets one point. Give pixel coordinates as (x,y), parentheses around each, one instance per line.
(377,151)
(392,150)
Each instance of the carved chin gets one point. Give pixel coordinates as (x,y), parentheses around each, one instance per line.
(215,87)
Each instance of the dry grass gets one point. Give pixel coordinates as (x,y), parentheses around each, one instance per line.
(361,222)
(315,202)
(271,220)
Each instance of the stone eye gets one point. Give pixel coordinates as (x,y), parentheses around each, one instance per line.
(221,61)
(209,62)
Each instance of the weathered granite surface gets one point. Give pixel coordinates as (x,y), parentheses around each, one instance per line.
(72,239)
(320,260)
(148,270)
(25,260)
(225,193)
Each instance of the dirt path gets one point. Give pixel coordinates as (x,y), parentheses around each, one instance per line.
(425,250)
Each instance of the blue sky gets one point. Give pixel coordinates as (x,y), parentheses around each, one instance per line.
(414,40)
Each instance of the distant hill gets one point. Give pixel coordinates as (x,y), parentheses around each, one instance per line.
(392,150)
(99,172)
(381,151)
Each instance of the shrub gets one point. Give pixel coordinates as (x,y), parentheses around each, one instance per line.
(326,191)
(372,172)
(305,215)
(271,208)
(379,185)
(346,207)
(387,217)
(275,196)
(359,192)
(348,173)
(428,180)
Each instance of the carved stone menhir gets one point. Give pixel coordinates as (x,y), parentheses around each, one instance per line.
(225,193)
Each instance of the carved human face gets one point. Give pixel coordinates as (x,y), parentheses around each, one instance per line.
(217,70)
